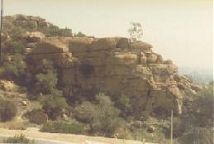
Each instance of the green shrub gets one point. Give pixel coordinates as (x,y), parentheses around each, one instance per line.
(124,105)
(53,104)
(102,116)
(18,139)
(79,34)
(41,77)
(63,127)
(85,112)
(137,107)
(203,105)
(66,32)
(36,116)
(197,136)
(16,67)
(56,31)
(14,47)
(47,81)
(7,110)
(16,33)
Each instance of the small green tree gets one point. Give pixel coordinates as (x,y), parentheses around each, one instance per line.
(135,31)
(53,104)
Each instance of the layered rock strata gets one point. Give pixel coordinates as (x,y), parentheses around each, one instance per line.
(114,66)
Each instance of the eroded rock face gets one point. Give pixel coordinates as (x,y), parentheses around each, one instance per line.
(116,67)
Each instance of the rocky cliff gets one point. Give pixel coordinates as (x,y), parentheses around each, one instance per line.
(114,66)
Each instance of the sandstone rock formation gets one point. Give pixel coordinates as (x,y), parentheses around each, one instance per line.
(34,36)
(114,66)
(52,49)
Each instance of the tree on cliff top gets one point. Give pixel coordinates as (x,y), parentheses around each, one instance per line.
(135,31)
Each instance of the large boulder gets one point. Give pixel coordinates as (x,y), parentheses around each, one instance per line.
(52,49)
(33,37)
(118,71)
(143,72)
(103,44)
(152,57)
(140,46)
(60,59)
(163,70)
(21,17)
(123,59)
(50,46)
(159,59)
(80,44)
(185,84)
(123,43)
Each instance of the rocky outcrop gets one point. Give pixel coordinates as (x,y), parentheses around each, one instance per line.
(32,37)
(133,69)
(19,26)
(52,49)
(114,66)
(31,22)
(186,85)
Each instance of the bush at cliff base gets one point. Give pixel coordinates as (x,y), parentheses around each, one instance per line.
(8,110)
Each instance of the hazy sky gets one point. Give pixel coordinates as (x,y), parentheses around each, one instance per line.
(180,30)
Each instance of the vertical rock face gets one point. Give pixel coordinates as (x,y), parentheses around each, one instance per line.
(116,67)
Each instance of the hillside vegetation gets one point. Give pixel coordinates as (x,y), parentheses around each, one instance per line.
(107,87)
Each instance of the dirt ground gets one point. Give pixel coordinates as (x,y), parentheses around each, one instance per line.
(74,139)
